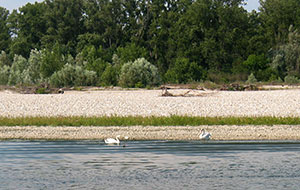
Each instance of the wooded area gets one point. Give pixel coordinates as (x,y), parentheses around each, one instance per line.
(140,43)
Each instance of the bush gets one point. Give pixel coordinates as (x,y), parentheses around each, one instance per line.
(140,73)
(109,76)
(286,59)
(251,79)
(259,66)
(73,75)
(16,75)
(51,61)
(41,91)
(131,52)
(255,63)
(275,79)
(291,79)
(4,75)
(4,60)
(34,70)
(184,71)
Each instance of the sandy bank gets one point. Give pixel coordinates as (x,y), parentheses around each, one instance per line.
(280,103)
(152,133)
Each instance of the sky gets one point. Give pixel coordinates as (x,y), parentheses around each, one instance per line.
(15,4)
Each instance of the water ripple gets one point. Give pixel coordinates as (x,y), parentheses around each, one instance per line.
(149,165)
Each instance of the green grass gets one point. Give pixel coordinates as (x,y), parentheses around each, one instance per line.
(146,121)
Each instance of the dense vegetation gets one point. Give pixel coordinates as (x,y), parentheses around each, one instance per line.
(145,121)
(139,43)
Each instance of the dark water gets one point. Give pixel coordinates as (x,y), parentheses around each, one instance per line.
(149,165)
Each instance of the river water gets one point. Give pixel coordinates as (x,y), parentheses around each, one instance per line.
(149,165)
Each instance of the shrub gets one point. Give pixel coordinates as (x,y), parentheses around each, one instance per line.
(41,91)
(291,79)
(51,61)
(286,59)
(255,63)
(275,79)
(259,66)
(4,60)
(4,74)
(131,52)
(251,79)
(98,66)
(109,76)
(140,73)
(184,71)
(19,65)
(34,69)
(73,75)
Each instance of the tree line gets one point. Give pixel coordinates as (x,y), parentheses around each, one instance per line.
(140,43)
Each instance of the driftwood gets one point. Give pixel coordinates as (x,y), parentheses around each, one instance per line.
(188,93)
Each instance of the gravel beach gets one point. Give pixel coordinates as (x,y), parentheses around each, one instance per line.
(152,132)
(279,103)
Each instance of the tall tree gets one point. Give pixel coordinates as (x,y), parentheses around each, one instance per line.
(64,23)
(212,33)
(5,38)
(28,27)
(277,16)
(105,21)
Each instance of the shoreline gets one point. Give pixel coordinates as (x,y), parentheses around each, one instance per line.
(219,133)
(275,103)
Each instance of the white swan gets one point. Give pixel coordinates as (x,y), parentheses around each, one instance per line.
(204,135)
(113,141)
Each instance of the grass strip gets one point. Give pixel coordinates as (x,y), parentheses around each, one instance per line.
(145,121)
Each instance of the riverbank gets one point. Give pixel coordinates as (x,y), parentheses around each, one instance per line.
(274,103)
(276,132)
(271,103)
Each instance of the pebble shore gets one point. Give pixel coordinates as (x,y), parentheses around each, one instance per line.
(151,133)
(279,103)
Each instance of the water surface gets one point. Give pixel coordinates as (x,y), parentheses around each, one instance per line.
(149,165)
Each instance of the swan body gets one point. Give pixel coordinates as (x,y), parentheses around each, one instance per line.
(204,135)
(112,141)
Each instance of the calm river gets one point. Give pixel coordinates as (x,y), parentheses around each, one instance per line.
(149,165)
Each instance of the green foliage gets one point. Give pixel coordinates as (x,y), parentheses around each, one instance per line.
(131,52)
(98,66)
(4,74)
(94,59)
(109,76)
(275,79)
(34,66)
(286,60)
(255,63)
(184,71)
(259,66)
(251,79)
(5,38)
(64,23)
(4,59)
(222,77)
(139,73)
(29,25)
(18,74)
(41,91)
(186,40)
(73,75)
(276,18)
(291,80)
(52,60)
(173,120)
